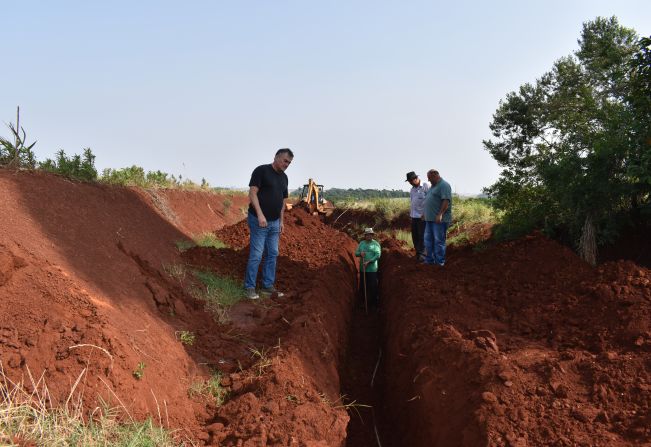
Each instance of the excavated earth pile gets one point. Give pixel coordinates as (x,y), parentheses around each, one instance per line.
(94,291)
(518,344)
(292,395)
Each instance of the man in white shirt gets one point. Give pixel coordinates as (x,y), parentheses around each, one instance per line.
(417,201)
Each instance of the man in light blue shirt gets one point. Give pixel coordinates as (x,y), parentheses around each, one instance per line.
(438,215)
(417,201)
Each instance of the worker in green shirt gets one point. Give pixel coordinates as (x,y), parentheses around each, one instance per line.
(369,252)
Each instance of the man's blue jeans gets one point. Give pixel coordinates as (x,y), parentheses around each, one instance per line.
(435,234)
(264,243)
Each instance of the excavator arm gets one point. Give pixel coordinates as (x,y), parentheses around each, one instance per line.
(312,198)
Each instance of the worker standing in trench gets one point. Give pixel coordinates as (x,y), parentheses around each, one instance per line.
(369,252)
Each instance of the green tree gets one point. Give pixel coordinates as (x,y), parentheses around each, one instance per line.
(574,146)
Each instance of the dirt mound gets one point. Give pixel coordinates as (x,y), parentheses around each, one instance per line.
(85,291)
(519,344)
(194,212)
(305,239)
(81,295)
(295,397)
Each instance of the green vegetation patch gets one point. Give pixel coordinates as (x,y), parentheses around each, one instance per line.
(186,337)
(202,240)
(404,237)
(209,240)
(468,213)
(80,167)
(211,387)
(219,293)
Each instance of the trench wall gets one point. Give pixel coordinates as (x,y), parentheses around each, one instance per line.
(433,376)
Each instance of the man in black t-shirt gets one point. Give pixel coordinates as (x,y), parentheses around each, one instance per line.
(267,194)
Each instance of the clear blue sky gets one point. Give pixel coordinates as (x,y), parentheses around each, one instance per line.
(362,91)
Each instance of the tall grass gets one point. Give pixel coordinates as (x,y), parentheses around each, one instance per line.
(387,208)
(473,210)
(404,237)
(468,213)
(29,418)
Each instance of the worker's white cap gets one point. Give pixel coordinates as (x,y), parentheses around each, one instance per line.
(368,230)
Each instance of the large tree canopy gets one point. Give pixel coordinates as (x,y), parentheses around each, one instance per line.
(575,147)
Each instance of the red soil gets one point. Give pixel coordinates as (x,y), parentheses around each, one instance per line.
(195,212)
(518,344)
(83,292)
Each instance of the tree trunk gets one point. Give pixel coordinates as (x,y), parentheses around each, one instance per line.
(588,242)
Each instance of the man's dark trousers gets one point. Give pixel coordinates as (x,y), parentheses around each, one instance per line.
(372,288)
(418,236)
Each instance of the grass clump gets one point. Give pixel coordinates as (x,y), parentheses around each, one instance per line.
(202,240)
(186,337)
(209,240)
(211,387)
(218,292)
(28,418)
(139,372)
(227,205)
(263,360)
(177,272)
(184,245)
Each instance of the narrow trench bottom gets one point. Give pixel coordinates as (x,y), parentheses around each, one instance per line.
(364,400)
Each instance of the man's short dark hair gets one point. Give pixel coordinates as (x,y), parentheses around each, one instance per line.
(285,150)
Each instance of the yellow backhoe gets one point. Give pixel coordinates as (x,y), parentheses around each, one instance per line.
(313,200)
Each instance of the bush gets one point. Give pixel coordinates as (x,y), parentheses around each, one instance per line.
(131,176)
(77,167)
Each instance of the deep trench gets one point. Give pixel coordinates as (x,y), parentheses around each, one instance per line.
(362,377)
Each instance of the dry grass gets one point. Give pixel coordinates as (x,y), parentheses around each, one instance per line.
(31,417)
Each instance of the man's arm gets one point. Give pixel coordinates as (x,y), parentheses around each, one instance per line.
(444,207)
(253,197)
(282,217)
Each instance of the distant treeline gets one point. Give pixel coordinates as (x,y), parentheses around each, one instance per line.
(350,194)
